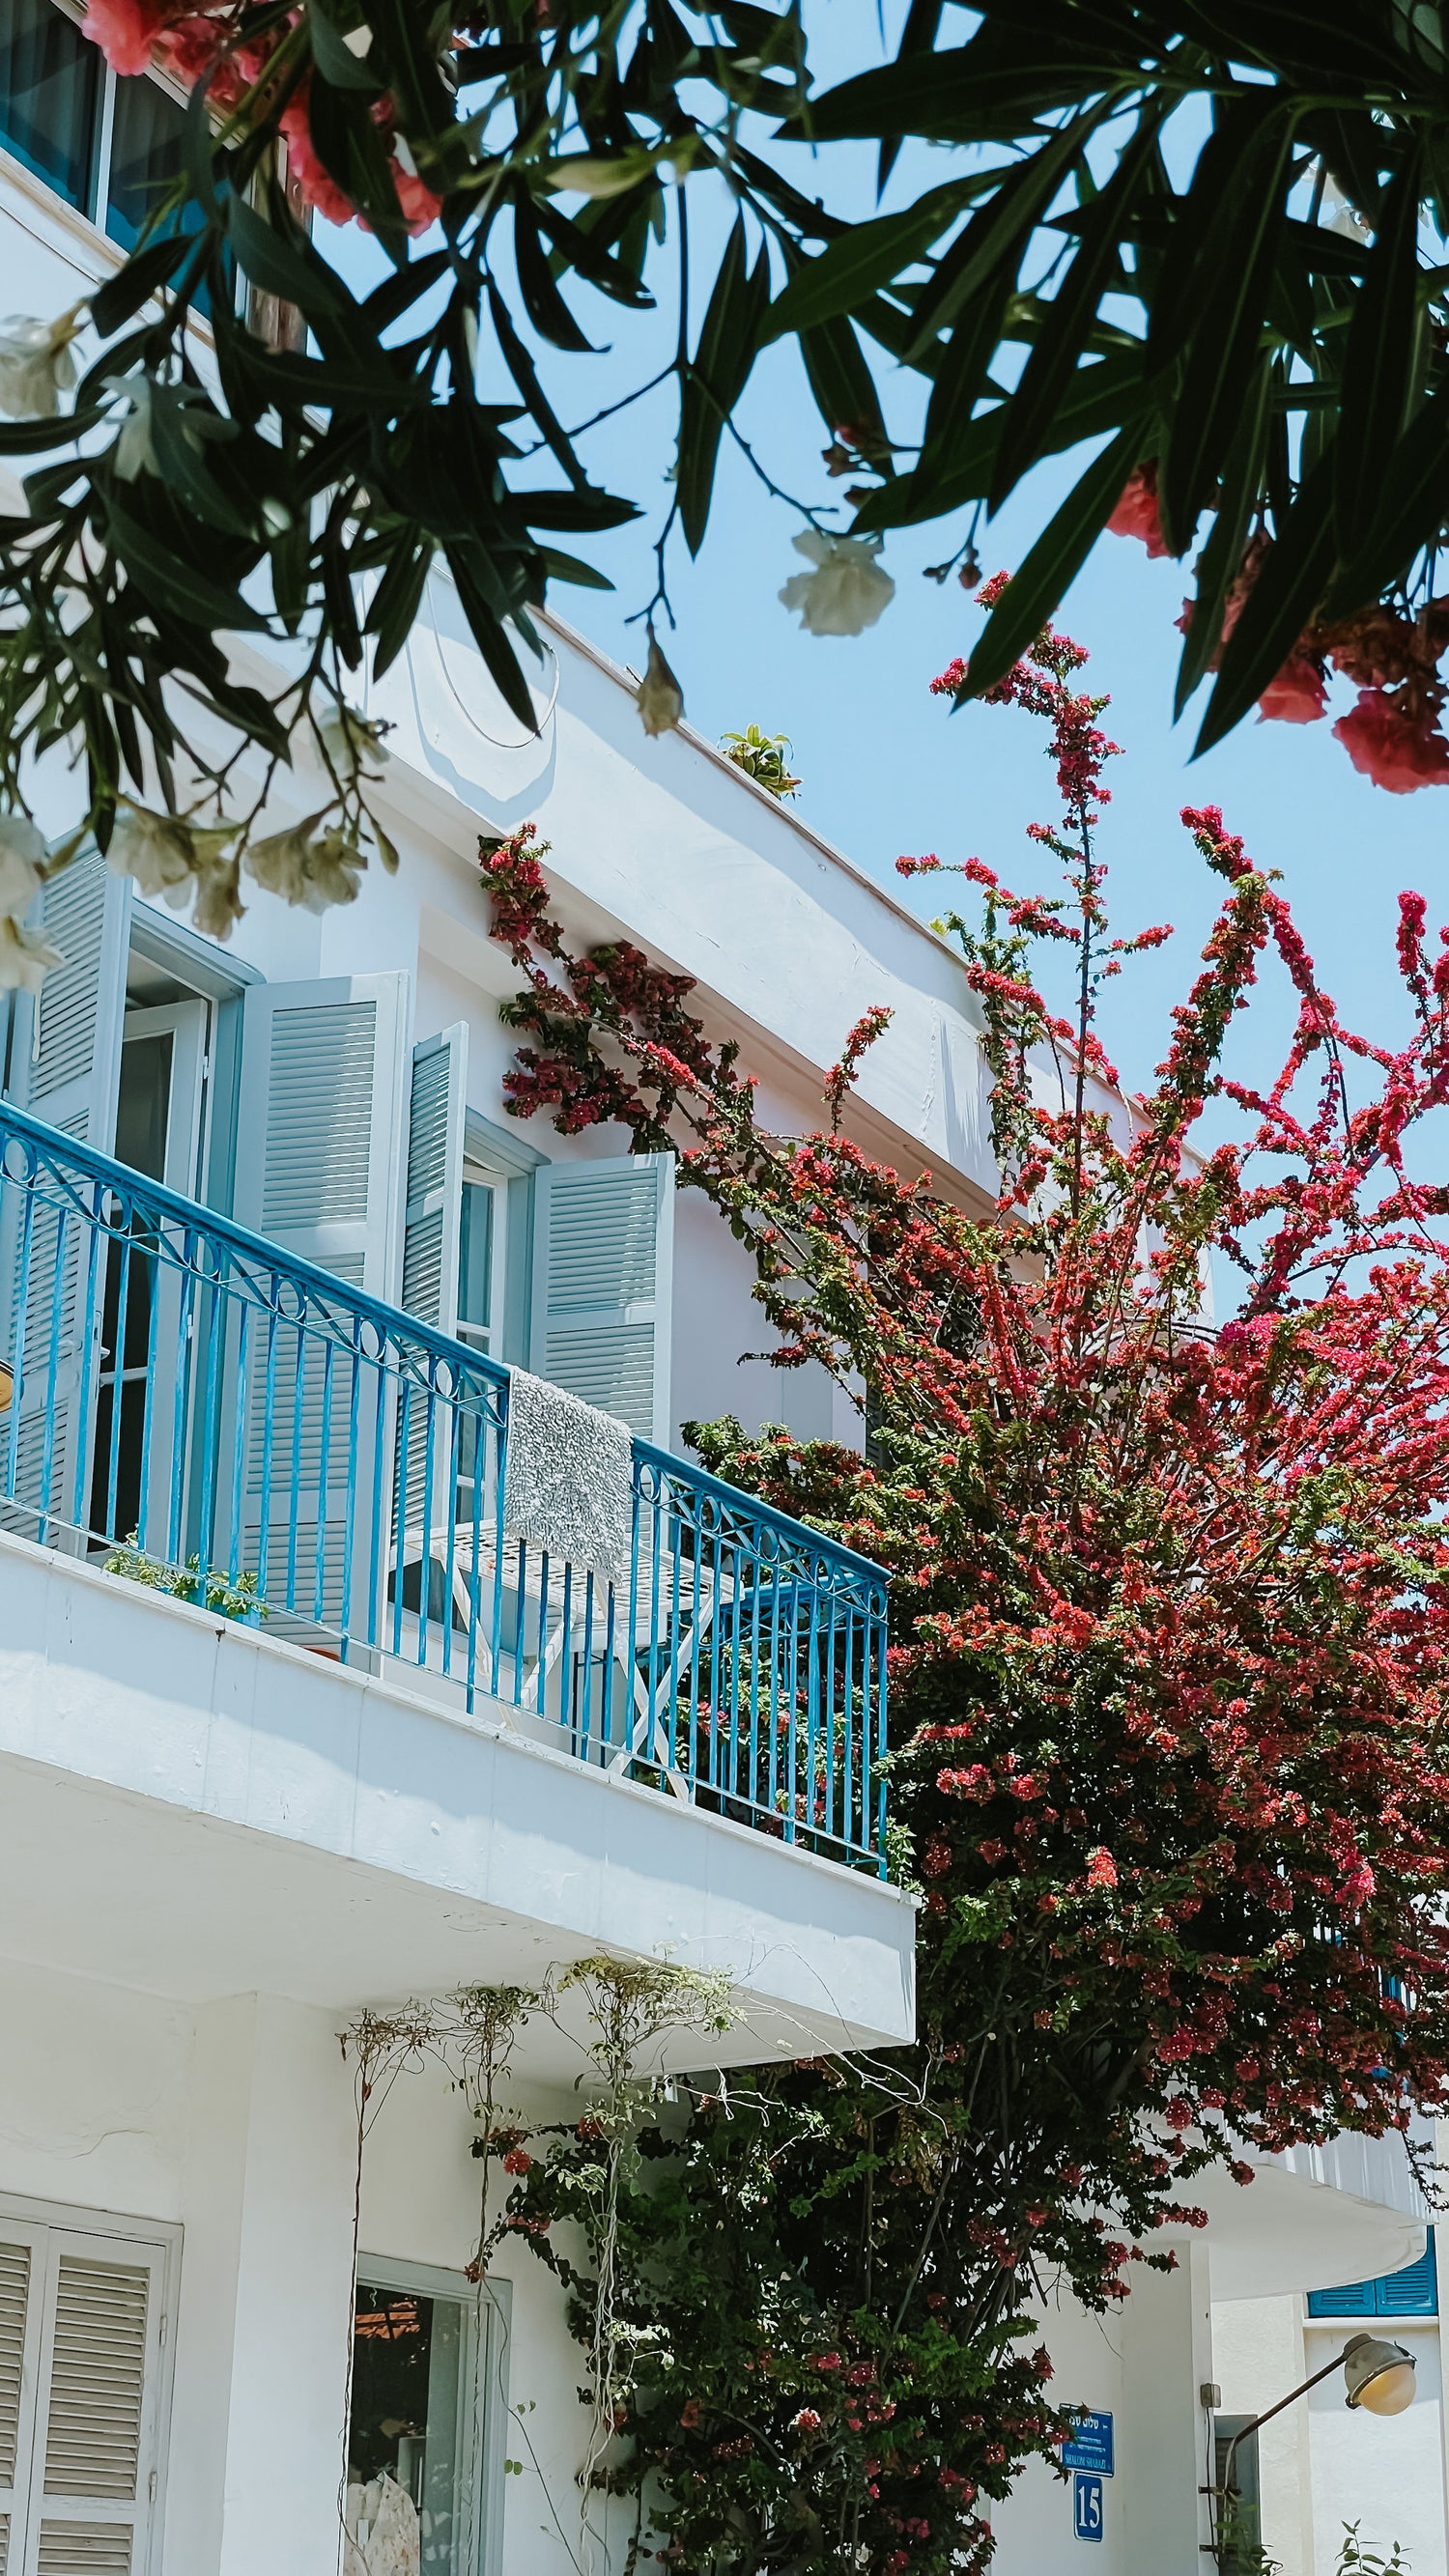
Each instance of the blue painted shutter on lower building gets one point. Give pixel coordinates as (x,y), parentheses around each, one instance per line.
(1413,2292)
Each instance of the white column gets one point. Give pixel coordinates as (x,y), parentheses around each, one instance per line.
(264,2324)
(1161,2449)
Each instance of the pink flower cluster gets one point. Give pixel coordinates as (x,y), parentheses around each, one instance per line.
(200,44)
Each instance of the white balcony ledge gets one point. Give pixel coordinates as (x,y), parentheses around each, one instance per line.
(197,1809)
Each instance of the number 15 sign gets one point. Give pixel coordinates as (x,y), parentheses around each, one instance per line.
(1087,2512)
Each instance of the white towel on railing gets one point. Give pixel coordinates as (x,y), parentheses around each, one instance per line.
(567,1484)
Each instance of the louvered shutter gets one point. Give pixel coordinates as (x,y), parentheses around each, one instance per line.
(436,1115)
(95,2412)
(318,1161)
(603,1250)
(65,1067)
(432,1221)
(19,2334)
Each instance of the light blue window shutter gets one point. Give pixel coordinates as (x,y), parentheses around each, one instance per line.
(319,1132)
(603,1260)
(318,1172)
(65,1067)
(432,1225)
(437,1110)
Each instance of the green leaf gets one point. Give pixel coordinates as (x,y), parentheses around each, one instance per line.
(1222,556)
(579,514)
(179,588)
(1278,607)
(144,273)
(1054,561)
(1233,273)
(918,36)
(569,568)
(335,58)
(547,310)
(1413,507)
(1072,313)
(491,638)
(981,92)
(399,595)
(993,242)
(1100,397)
(278,258)
(852,267)
(1379,359)
(525,375)
(33,437)
(842,383)
(728,338)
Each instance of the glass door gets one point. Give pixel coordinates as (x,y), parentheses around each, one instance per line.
(135,1464)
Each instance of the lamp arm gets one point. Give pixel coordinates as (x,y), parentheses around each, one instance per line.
(1268,2414)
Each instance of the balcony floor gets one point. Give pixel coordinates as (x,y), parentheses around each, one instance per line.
(196,1809)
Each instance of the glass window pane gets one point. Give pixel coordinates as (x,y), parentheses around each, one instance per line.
(406,2489)
(145,157)
(50,86)
(475,1257)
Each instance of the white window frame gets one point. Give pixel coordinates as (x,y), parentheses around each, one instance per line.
(100,194)
(487,2307)
(487,1337)
(115,2233)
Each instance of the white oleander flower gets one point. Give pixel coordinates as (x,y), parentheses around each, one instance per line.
(848,589)
(334,870)
(22,847)
(156,849)
(317,870)
(219,906)
(26,957)
(351,741)
(36,366)
(660,699)
(135,449)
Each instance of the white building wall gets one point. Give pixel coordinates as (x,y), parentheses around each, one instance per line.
(1144,2365)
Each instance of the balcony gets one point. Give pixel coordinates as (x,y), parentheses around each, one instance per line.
(183,1402)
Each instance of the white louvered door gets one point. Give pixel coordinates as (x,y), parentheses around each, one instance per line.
(432,1222)
(81,2328)
(65,1067)
(603,1248)
(21,2267)
(318,1166)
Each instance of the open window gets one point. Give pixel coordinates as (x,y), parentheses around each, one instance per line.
(425,2446)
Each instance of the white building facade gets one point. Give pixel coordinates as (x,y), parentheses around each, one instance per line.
(268,1245)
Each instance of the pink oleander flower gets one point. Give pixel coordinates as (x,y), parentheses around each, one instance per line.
(421,208)
(1136,513)
(1395,749)
(315,181)
(126,30)
(1299,694)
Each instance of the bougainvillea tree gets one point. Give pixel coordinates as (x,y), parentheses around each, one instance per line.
(1171,1632)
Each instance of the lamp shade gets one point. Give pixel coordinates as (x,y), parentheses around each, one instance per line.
(1379,2376)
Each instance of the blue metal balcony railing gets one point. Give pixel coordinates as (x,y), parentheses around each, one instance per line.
(180,1394)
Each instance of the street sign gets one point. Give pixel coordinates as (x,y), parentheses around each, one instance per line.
(1088,2516)
(1089,2445)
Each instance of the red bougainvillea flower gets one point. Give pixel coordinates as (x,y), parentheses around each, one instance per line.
(1136,512)
(1101,1869)
(1298,695)
(1396,750)
(126,30)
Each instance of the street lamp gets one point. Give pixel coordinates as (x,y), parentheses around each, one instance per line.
(1378,2376)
